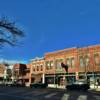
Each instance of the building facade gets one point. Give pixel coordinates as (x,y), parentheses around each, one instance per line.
(37,70)
(2,70)
(82,63)
(21,73)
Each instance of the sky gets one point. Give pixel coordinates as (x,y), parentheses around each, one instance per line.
(51,25)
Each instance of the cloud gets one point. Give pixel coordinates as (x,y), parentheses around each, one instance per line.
(12,61)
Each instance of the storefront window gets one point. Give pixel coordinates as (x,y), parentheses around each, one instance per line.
(49,80)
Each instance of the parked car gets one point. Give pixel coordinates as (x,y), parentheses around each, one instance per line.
(18,84)
(10,83)
(14,84)
(78,85)
(38,85)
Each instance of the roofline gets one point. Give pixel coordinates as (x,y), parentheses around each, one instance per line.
(67,49)
(37,58)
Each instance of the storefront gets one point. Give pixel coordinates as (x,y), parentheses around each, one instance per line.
(60,79)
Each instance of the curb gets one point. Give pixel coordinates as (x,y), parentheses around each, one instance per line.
(94,91)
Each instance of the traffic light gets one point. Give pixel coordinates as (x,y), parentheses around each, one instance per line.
(64,66)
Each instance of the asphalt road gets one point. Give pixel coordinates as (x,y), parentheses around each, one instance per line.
(14,93)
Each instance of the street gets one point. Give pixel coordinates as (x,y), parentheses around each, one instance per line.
(14,93)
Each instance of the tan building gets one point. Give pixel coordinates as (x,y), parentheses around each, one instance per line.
(37,70)
(2,69)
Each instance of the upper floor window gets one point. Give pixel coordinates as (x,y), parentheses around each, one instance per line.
(34,69)
(41,67)
(84,60)
(87,60)
(37,68)
(81,61)
(58,63)
(97,59)
(70,62)
(49,64)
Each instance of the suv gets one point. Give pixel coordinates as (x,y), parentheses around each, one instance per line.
(38,85)
(78,85)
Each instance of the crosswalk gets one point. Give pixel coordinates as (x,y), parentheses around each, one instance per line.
(50,95)
(82,97)
(30,94)
(67,97)
(46,94)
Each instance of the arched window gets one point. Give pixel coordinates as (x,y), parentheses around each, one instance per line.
(81,60)
(58,63)
(97,59)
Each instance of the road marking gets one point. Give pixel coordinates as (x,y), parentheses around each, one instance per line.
(82,97)
(50,95)
(65,97)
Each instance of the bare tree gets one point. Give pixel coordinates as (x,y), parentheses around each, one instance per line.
(9,32)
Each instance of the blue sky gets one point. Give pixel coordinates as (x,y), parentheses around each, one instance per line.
(51,25)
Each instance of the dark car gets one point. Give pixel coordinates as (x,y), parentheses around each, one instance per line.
(78,85)
(38,85)
(16,84)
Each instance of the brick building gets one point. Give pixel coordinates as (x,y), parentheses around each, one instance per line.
(21,73)
(82,63)
(55,74)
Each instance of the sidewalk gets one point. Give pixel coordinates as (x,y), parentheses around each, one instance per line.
(95,89)
(56,86)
